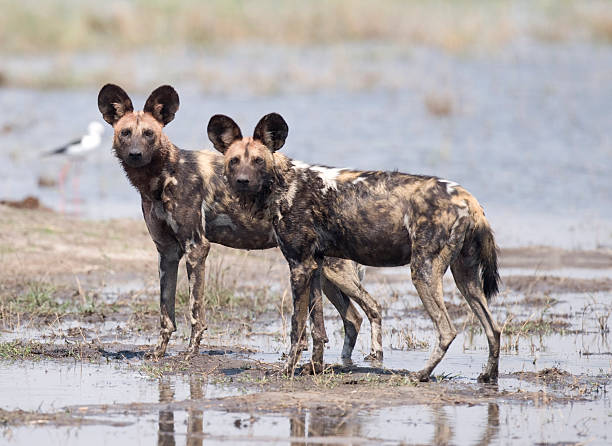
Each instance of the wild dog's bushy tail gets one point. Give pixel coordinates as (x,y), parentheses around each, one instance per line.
(486,252)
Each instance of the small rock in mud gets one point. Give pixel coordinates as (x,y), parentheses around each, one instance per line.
(29,202)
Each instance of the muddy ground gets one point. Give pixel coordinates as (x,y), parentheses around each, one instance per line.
(78,309)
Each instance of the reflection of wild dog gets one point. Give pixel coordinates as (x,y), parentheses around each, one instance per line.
(180,189)
(375,218)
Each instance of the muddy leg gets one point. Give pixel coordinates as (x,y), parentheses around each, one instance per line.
(301,279)
(468,282)
(196,263)
(168,268)
(427,279)
(317,323)
(343,275)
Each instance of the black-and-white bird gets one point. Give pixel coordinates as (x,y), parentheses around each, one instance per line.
(80,147)
(76,151)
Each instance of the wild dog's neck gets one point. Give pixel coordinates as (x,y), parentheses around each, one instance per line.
(148,180)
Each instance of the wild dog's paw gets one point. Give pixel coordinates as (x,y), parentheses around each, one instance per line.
(420,376)
(374,356)
(313,368)
(155,355)
(487,378)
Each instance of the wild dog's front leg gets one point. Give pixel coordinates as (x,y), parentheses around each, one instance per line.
(301,279)
(196,266)
(317,323)
(168,268)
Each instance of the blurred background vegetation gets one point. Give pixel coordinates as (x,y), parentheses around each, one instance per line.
(73,43)
(72,25)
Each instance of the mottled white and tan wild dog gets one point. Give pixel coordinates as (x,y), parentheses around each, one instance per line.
(372,217)
(187,205)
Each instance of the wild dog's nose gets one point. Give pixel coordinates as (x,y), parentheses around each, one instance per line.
(135,156)
(242,181)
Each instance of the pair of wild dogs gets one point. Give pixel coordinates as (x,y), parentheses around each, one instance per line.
(324,220)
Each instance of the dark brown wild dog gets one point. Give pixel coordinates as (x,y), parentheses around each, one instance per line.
(187,205)
(372,217)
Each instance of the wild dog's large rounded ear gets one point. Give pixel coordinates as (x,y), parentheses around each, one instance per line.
(222,132)
(162,104)
(113,103)
(272,130)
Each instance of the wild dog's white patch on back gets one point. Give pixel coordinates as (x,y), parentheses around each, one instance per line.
(299,165)
(407,222)
(328,175)
(181,160)
(358,180)
(450,186)
(223,220)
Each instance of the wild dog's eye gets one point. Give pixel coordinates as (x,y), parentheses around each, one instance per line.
(234,161)
(259,160)
(147,133)
(126,132)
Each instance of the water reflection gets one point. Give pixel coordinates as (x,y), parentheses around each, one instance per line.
(195,419)
(492,426)
(323,424)
(443,433)
(436,424)
(349,426)
(165,435)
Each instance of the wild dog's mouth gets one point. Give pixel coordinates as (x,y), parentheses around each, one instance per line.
(245,188)
(135,163)
(136,160)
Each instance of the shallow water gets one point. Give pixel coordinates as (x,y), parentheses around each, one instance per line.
(528,133)
(52,385)
(83,385)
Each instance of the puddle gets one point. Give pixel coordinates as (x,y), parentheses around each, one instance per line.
(486,424)
(52,385)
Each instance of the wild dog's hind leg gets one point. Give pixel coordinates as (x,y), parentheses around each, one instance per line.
(343,275)
(468,281)
(351,318)
(427,278)
(196,266)
(168,268)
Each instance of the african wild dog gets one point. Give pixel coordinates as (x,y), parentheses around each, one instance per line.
(372,217)
(182,189)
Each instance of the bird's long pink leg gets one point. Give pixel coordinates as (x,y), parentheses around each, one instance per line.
(62,181)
